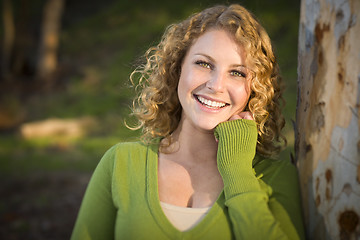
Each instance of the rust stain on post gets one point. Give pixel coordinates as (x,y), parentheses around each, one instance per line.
(348,221)
(320,57)
(319,31)
(341,76)
(341,43)
(317,201)
(329,178)
(308,148)
(317,184)
(328,175)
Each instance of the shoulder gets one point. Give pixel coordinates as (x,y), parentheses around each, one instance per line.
(131,155)
(129,147)
(125,147)
(126,150)
(122,151)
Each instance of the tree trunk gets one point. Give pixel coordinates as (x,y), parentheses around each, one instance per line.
(8,41)
(327,122)
(47,59)
(25,42)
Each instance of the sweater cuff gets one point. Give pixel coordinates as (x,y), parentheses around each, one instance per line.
(236,138)
(236,150)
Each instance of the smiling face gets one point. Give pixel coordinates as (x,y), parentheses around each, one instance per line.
(214,82)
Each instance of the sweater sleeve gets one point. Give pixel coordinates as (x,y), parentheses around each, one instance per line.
(254,212)
(96,218)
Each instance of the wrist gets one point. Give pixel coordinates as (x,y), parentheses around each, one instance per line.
(237,136)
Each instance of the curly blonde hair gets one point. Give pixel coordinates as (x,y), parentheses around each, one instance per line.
(157,106)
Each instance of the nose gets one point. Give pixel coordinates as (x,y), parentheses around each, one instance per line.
(216,82)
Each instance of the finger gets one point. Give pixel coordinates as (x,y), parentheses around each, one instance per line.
(246,115)
(235,117)
(243,115)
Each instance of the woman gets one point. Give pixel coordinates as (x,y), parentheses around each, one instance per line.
(209,110)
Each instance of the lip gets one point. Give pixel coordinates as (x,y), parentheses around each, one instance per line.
(209,109)
(210,98)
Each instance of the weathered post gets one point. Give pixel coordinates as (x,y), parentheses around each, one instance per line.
(327,122)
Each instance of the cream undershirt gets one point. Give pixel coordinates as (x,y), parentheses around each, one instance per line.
(183,218)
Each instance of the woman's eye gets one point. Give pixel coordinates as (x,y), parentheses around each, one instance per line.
(204,64)
(238,74)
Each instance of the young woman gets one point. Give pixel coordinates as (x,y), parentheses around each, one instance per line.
(209,110)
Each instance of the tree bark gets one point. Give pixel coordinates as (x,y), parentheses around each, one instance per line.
(327,122)
(8,41)
(47,59)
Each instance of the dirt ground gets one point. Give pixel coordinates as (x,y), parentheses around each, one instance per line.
(40,206)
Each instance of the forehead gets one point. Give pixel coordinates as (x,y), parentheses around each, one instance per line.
(216,36)
(218,43)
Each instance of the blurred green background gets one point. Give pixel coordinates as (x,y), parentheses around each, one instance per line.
(43,177)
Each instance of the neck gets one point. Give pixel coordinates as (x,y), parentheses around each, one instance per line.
(192,144)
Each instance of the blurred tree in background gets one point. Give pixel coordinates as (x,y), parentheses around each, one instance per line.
(46,63)
(19,44)
(57,120)
(29,54)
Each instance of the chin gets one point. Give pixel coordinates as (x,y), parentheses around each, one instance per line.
(208,125)
(203,123)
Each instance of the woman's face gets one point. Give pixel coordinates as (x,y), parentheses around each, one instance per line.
(214,82)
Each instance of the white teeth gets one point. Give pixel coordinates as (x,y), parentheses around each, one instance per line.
(210,103)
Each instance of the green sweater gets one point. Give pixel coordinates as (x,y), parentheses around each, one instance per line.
(260,199)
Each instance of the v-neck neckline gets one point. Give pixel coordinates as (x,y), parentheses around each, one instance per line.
(152,190)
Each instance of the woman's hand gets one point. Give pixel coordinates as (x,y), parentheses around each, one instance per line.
(242,115)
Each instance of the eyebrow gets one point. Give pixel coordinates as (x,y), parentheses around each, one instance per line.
(213,60)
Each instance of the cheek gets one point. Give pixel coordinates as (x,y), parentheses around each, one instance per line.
(248,86)
(241,95)
(180,89)
(247,90)
(184,88)
(188,82)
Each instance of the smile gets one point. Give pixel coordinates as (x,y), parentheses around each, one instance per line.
(209,103)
